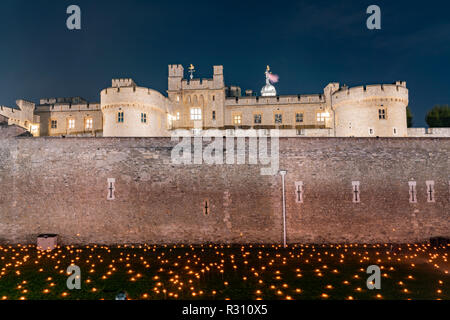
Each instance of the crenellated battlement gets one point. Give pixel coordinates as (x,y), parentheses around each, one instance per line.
(176,70)
(136,96)
(130,90)
(122,82)
(196,84)
(288,99)
(64,107)
(397,91)
(177,81)
(67,100)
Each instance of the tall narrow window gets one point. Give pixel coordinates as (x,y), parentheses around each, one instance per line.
(206,208)
(412,192)
(196,114)
(88,124)
(143,117)
(394,130)
(178,116)
(111,189)
(214,115)
(299,117)
(430,191)
(278,118)
(371,132)
(120,117)
(299,191)
(71,124)
(356,192)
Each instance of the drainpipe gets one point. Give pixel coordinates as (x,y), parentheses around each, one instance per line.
(283,174)
(334,112)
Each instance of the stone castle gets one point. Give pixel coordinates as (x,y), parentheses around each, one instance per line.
(113,179)
(128,110)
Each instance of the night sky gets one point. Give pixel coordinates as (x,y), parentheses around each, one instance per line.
(307,43)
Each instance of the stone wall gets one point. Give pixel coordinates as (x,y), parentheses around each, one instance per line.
(55,185)
(429,132)
(8,131)
(3,119)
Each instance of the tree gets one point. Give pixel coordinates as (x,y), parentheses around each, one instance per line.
(409,117)
(438,117)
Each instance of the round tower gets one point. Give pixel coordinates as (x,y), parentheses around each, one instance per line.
(371,111)
(131,111)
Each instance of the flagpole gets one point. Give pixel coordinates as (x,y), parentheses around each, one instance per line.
(283,174)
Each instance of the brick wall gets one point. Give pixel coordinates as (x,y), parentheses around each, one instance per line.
(55,185)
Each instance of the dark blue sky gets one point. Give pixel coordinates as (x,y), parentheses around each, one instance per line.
(307,43)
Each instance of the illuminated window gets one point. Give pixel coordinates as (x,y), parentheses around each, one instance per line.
(278,118)
(299,117)
(382,114)
(196,114)
(88,124)
(54,124)
(178,116)
(143,117)
(321,116)
(237,119)
(257,118)
(120,117)
(34,129)
(71,124)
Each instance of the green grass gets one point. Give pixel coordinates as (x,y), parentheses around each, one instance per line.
(215,272)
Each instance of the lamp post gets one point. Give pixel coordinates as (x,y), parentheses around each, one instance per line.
(283,174)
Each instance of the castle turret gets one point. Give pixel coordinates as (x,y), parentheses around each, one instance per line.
(176,73)
(371,111)
(132,111)
(219,82)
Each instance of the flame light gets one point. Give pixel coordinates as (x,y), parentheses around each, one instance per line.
(221,272)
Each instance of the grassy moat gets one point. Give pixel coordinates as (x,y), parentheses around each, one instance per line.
(216,272)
